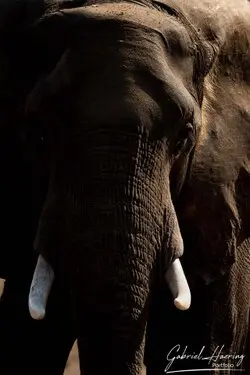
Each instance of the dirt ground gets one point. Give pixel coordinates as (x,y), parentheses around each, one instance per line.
(72,367)
(1,286)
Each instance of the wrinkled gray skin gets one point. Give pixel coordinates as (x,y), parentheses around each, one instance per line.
(144,148)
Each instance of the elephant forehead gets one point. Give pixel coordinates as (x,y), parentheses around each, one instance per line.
(125,11)
(140,17)
(129,75)
(130,58)
(131,96)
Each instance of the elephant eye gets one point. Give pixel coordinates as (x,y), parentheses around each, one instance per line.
(185,139)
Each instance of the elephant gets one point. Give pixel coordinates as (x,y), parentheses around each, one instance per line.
(148,118)
(24,183)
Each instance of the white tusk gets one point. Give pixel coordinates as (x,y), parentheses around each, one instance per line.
(178,285)
(40,288)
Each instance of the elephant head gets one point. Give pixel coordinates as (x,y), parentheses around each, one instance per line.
(123,109)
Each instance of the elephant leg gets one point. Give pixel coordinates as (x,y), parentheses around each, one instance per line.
(247,363)
(108,351)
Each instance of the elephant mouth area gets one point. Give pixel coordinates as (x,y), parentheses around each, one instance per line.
(208,254)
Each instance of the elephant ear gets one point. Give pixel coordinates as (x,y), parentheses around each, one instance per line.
(205,37)
(217,209)
(50,39)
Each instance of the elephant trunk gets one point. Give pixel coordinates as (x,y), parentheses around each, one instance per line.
(110,228)
(174,275)
(44,276)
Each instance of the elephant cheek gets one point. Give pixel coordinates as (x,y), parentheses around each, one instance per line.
(172,250)
(173,246)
